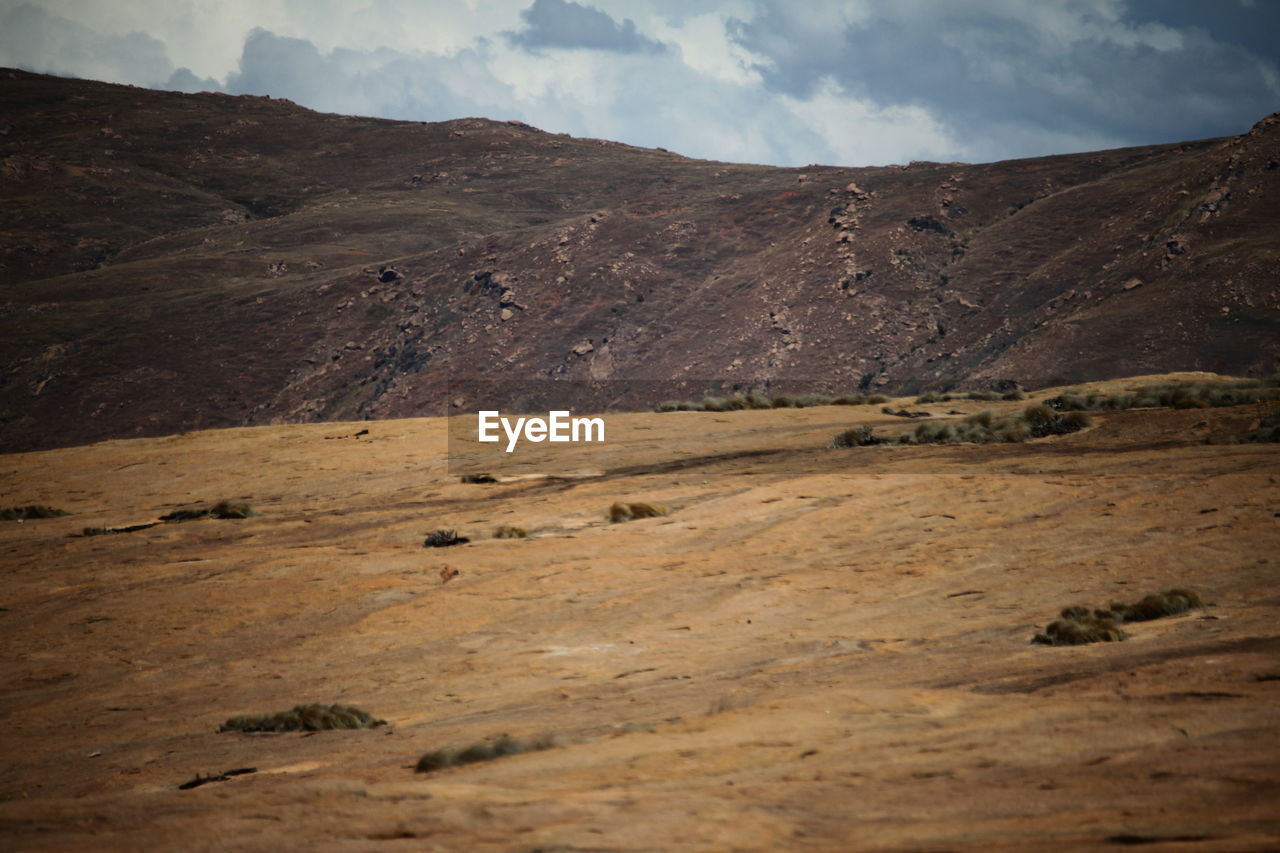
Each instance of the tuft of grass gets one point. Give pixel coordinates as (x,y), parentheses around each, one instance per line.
(22,513)
(1077,632)
(103,531)
(753,400)
(441,759)
(1078,624)
(622,511)
(443,539)
(1177,395)
(678,406)
(1168,603)
(856,437)
(305,718)
(478,478)
(510,532)
(222,509)
(984,427)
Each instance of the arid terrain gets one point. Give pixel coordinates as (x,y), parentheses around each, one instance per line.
(172,262)
(817,649)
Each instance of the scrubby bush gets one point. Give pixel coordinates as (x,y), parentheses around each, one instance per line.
(1076,632)
(1184,395)
(855,437)
(222,509)
(102,531)
(622,511)
(305,718)
(479,478)
(984,427)
(484,751)
(510,532)
(1079,624)
(443,539)
(22,513)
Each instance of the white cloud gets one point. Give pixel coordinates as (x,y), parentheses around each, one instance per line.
(852,82)
(856,131)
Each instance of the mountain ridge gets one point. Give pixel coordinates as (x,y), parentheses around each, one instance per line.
(173,262)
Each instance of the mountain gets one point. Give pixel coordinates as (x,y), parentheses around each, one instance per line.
(172,261)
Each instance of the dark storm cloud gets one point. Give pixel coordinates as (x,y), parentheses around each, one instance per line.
(563,23)
(1124,80)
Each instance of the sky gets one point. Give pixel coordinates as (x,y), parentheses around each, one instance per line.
(838,82)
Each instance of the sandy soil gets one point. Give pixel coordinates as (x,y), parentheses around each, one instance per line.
(817,650)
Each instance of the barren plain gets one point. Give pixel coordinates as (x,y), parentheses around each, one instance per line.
(818,649)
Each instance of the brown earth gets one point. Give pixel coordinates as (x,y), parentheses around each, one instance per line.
(818,649)
(172,261)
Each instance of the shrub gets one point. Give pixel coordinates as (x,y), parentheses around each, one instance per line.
(484,751)
(715,404)
(1015,394)
(1073,632)
(479,478)
(443,539)
(1078,624)
(877,399)
(1169,603)
(22,513)
(305,718)
(849,400)
(1185,395)
(510,532)
(222,509)
(102,531)
(622,511)
(855,437)
(986,427)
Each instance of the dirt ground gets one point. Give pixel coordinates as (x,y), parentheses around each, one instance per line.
(818,649)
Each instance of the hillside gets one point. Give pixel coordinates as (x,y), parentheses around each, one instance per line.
(171,262)
(817,649)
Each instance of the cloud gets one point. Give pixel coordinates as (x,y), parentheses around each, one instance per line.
(36,40)
(1010,77)
(565,24)
(378,82)
(848,82)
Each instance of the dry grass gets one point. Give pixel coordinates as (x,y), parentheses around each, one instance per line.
(22,513)
(483,751)
(622,511)
(305,718)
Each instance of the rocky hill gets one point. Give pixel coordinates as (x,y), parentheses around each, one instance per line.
(173,261)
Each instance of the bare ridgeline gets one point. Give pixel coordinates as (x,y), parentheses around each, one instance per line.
(173,262)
